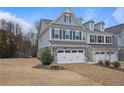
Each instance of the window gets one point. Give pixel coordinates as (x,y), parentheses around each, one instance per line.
(80,51)
(84,36)
(67,18)
(97,52)
(108,52)
(67,51)
(67,34)
(57,33)
(74,51)
(108,39)
(102,52)
(92,38)
(112,53)
(102,27)
(92,26)
(100,39)
(77,35)
(60,51)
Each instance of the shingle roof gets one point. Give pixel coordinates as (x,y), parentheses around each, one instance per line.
(115,29)
(102,22)
(98,32)
(47,21)
(91,20)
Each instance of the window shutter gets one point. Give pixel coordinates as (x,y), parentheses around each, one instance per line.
(73,35)
(69,19)
(52,33)
(64,18)
(60,33)
(63,34)
(80,35)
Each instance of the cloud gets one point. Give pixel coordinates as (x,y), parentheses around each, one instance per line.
(26,27)
(119,15)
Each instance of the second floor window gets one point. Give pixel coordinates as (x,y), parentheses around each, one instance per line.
(78,35)
(108,39)
(100,39)
(67,34)
(93,38)
(56,33)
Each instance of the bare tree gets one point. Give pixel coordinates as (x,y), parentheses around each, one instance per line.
(38,27)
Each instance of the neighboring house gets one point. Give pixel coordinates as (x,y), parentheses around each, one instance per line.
(72,42)
(118,38)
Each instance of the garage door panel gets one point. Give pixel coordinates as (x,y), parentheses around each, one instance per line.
(70,56)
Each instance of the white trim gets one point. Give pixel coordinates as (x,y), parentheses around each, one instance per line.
(68,40)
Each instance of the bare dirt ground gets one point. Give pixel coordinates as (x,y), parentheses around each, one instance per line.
(102,75)
(20,72)
(122,64)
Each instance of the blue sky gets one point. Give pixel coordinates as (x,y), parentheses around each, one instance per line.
(110,15)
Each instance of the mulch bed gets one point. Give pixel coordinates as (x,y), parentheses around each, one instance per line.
(118,69)
(49,67)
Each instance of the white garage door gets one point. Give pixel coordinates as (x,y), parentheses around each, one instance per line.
(113,57)
(110,56)
(70,56)
(99,56)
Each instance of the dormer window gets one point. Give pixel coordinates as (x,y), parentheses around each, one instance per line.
(67,18)
(102,27)
(91,26)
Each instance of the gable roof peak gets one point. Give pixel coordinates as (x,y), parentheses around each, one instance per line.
(68,10)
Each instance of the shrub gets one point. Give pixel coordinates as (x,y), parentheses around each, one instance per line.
(46,57)
(116,64)
(107,63)
(100,63)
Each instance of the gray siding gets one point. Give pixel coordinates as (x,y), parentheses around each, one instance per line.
(115,40)
(60,20)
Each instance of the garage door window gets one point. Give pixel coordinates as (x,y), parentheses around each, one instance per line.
(74,51)
(80,51)
(108,52)
(97,52)
(102,52)
(67,51)
(112,52)
(60,51)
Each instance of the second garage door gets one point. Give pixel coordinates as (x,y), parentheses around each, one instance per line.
(109,56)
(70,56)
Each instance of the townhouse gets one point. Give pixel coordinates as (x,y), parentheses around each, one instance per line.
(118,39)
(73,41)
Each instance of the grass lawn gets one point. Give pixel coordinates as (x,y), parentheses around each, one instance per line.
(20,72)
(102,75)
